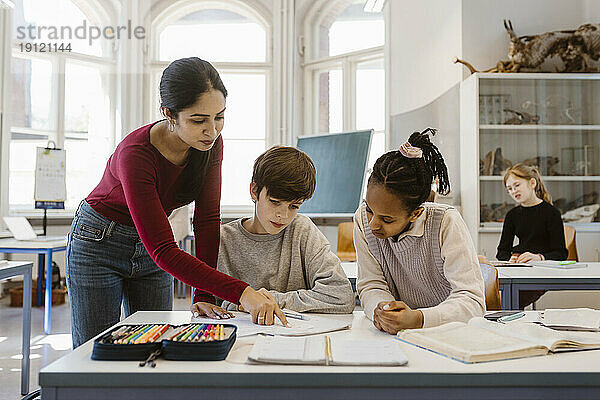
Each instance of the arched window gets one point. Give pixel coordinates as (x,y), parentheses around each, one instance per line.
(344,68)
(235,38)
(61,84)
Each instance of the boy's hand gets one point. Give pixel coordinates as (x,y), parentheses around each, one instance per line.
(514,257)
(201,309)
(393,316)
(527,256)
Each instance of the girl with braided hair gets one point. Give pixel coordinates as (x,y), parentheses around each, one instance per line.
(417,266)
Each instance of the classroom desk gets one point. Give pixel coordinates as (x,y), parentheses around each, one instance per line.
(540,278)
(44,250)
(427,375)
(350,268)
(15,268)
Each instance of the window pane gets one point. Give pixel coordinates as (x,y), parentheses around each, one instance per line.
(246,106)
(22,166)
(330,101)
(370,95)
(31,99)
(215,35)
(57,21)
(354,29)
(238,160)
(88,131)
(85,166)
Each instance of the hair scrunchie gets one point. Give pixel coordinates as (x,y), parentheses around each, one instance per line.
(410,151)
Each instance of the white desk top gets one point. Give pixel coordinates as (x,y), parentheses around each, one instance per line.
(6,265)
(32,244)
(77,368)
(592,271)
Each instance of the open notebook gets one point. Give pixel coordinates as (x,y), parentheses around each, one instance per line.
(483,340)
(324,350)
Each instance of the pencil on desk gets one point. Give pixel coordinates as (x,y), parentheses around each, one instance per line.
(327,350)
(293,315)
(221,332)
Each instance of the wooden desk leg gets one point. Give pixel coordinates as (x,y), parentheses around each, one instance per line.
(48,306)
(26,332)
(41,263)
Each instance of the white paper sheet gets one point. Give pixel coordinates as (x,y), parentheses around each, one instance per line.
(309,326)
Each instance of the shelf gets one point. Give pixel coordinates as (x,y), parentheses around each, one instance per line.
(540,127)
(574,178)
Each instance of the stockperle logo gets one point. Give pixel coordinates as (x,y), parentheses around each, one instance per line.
(84,31)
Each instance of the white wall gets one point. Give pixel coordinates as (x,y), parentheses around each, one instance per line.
(424,36)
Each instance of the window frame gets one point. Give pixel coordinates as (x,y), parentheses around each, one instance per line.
(313,64)
(167,13)
(96,13)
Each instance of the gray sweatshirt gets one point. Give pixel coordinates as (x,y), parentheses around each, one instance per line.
(295,265)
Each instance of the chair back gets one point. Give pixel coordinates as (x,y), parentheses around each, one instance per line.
(492,287)
(345,242)
(570,243)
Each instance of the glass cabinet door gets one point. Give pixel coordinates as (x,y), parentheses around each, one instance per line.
(550,123)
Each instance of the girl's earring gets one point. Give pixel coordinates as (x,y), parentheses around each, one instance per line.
(171,126)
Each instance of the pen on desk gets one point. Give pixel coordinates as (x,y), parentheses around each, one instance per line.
(293,315)
(512,317)
(327,350)
(566,262)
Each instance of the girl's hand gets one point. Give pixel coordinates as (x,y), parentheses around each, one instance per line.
(527,256)
(396,315)
(514,257)
(201,308)
(262,308)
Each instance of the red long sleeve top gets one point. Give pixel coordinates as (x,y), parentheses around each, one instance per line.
(139,188)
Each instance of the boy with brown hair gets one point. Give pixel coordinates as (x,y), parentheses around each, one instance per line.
(279,251)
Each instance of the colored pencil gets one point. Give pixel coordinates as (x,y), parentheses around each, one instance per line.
(158,334)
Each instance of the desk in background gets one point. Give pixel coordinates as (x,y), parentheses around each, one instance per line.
(428,375)
(44,250)
(351,270)
(540,278)
(15,268)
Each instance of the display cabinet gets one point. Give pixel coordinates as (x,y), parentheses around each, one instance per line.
(550,120)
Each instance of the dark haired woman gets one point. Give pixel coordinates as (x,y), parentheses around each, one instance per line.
(417,266)
(121,246)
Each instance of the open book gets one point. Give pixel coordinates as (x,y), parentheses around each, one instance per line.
(323,350)
(483,340)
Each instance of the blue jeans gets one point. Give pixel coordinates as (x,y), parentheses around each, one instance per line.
(107,263)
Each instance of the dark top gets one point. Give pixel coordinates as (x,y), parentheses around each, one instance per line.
(139,188)
(540,231)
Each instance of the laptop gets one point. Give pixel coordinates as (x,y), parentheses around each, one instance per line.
(22,230)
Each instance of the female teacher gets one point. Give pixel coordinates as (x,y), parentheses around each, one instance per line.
(121,246)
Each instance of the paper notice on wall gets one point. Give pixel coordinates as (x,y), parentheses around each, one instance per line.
(50,175)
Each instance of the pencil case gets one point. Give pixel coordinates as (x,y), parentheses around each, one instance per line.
(196,346)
